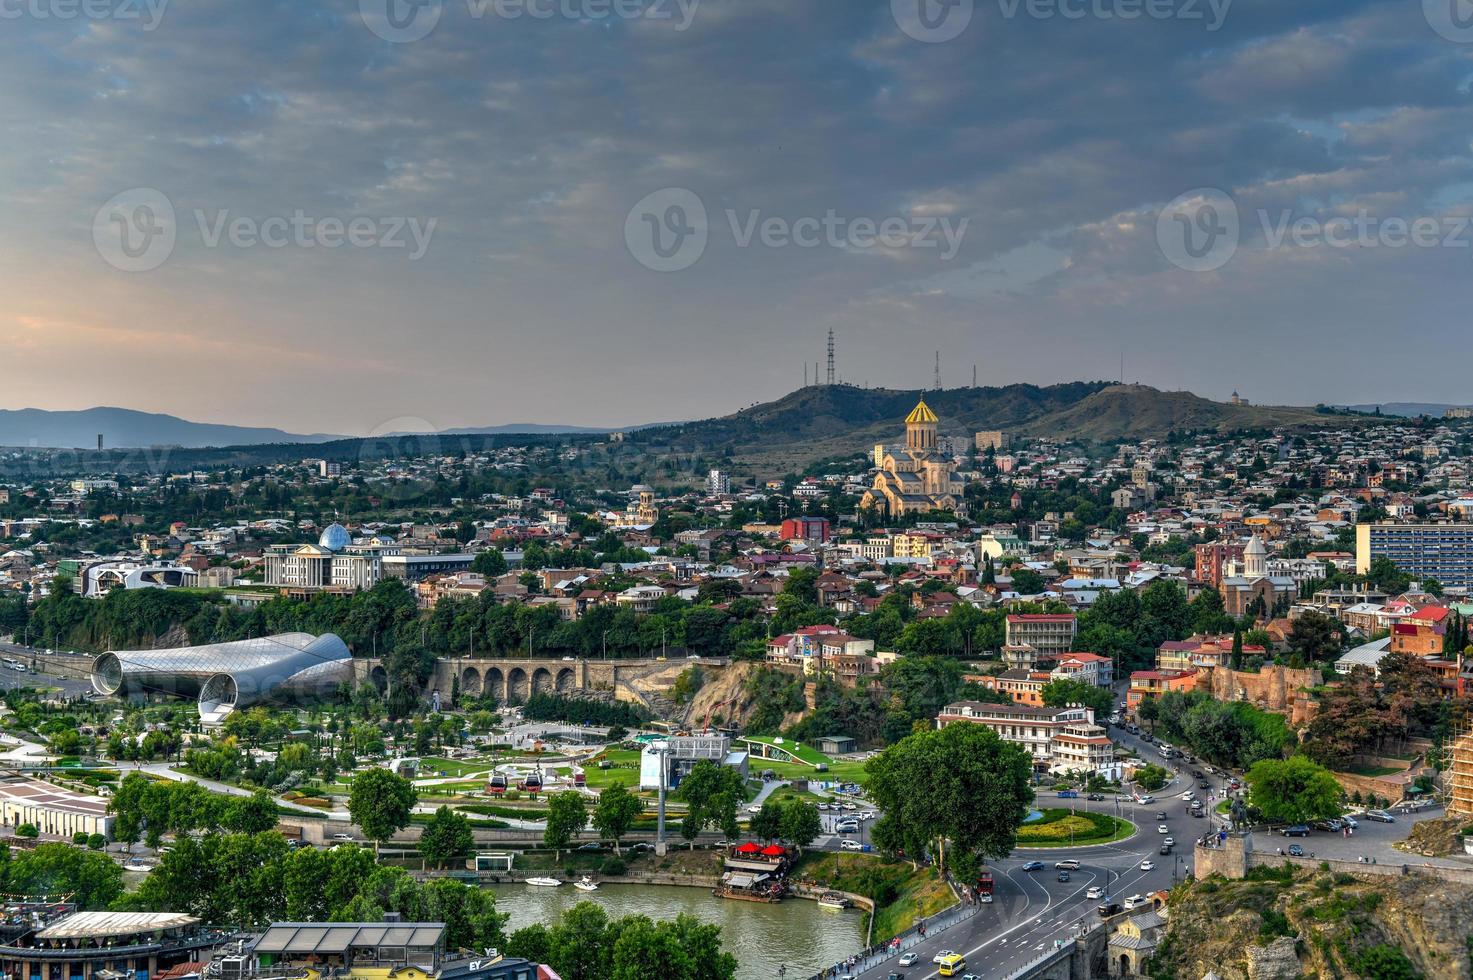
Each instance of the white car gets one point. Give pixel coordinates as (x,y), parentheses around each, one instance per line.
(1148,865)
(346,837)
(1188,796)
(1162,829)
(1094,891)
(850,845)
(909,959)
(943,955)
(1133,901)
(754,809)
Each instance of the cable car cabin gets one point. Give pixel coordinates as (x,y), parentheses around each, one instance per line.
(497,786)
(531,784)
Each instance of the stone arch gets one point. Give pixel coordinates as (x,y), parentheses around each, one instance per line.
(470,682)
(567,681)
(516,685)
(379,678)
(541,681)
(494,683)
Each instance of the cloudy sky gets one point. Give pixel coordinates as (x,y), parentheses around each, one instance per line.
(363,215)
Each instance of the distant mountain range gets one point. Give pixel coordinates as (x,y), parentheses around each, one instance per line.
(811,423)
(123,428)
(1407,409)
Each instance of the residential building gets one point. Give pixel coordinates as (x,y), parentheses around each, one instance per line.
(718,484)
(805,529)
(1057,739)
(1047,633)
(1153,683)
(1424,551)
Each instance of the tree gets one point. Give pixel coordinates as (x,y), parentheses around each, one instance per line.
(1293,790)
(250,814)
(1316,636)
(381,803)
(1237,655)
(712,793)
(1151,777)
(961,787)
(490,563)
(93,880)
(767,823)
(1148,710)
(616,812)
(567,815)
(446,837)
(1026,581)
(1066,691)
(800,823)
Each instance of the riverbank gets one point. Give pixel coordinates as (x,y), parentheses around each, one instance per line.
(898,893)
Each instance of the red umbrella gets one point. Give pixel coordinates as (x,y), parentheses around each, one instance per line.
(747,848)
(772,850)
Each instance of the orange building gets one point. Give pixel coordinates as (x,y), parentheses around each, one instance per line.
(1153,683)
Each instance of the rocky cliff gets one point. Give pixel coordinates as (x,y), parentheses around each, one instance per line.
(1280,925)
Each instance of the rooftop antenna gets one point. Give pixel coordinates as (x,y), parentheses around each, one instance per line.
(831,356)
(938,370)
(805,374)
(974,375)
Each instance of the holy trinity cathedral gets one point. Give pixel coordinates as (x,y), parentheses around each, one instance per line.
(917,478)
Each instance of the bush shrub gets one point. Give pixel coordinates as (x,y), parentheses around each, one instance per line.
(613,866)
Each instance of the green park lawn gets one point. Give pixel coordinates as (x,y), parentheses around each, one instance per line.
(805,753)
(847,771)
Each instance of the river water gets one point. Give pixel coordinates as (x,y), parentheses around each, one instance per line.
(762,937)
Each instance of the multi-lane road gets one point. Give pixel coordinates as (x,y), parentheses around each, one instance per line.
(1031,911)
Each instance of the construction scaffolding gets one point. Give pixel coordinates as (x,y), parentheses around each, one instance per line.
(1461,803)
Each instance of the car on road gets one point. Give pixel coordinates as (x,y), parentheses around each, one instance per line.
(943,955)
(1063,876)
(1351,822)
(1133,901)
(1094,892)
(1165,848)
(1380,816)
(1068,864)
(1297,830)
(1096,798)
(346,837)
(893,975)
(1196,774)
(1332,826)
(1147,799)
(1033,866)
(1296,850)
(909,959)
(1204,784)
(1170,842)
(1189,796)
(846,827)
(1163,829)
(1109,909)
(850,845)
(1160,814)
(1148,865)
(596,846)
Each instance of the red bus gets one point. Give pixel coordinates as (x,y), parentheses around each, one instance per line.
(984,886)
